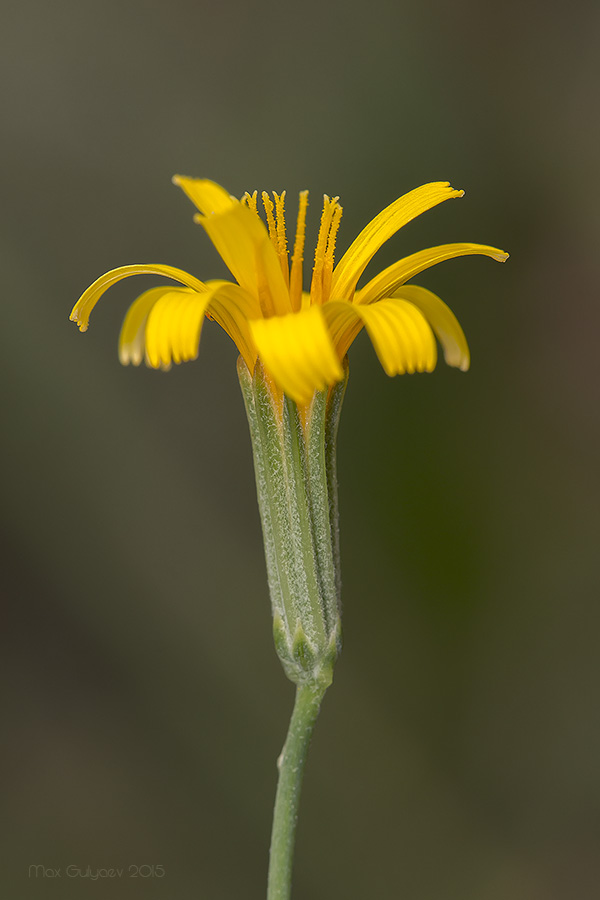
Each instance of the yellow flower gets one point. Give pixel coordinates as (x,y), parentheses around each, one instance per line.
(300,336)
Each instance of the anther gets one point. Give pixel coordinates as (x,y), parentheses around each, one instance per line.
(297,256)
(281,235)
(250,201)
(316,286)
(268,205)
(329,253)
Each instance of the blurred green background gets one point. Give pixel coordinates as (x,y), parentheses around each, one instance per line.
(457,754)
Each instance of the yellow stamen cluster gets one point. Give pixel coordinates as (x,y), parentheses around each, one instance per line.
(324,252)
(277,234)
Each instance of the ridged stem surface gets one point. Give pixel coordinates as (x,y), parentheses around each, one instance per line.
(291,769)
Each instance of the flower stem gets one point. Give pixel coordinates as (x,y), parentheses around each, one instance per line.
(291,769)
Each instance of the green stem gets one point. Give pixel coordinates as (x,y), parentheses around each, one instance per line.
(291,769)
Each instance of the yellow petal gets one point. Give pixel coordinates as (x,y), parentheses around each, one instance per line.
(174,323)
(443,321)
(386,283)
(344,324)
(132,337)
(380,229)
(208,196)
(399,333)
(173,328)
(297,351)
(82,310)
(233,308)
(244,245)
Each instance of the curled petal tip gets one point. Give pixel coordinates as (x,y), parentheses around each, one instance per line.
(81,323)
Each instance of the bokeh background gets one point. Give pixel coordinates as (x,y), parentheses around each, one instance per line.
(457,755)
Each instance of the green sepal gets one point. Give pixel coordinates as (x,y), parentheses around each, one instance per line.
(294,460)
(302,651)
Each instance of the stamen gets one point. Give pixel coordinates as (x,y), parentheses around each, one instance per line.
(316,287)
(297,256)
(250,201)
(281,236)
(268,205)
(335,224)
(328,264)
(280,213)
(264,295)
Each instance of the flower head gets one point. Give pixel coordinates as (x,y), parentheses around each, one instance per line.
(300,336)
